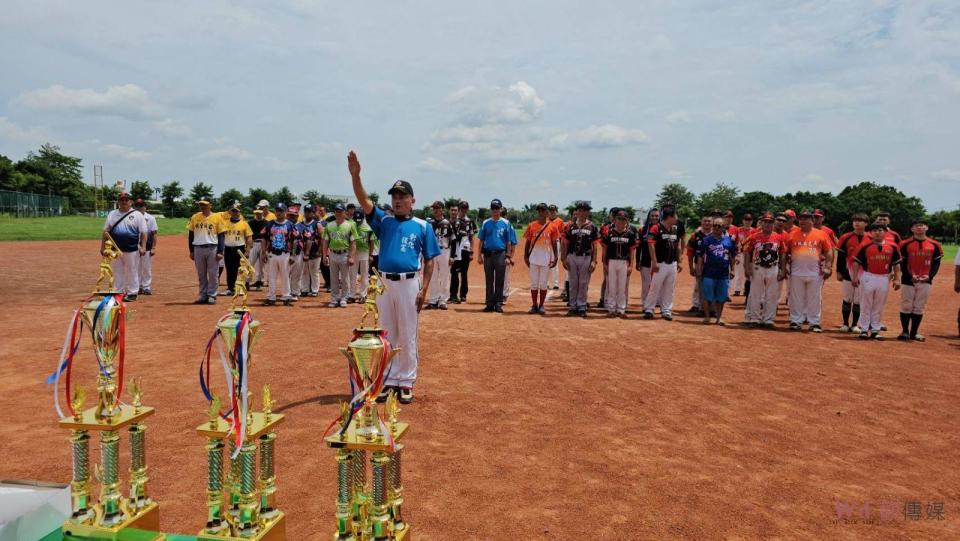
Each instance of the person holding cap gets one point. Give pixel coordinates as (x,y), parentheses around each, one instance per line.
(146,260)
(277,246)
(579,257)
(339,249)
(497,241)
(407,246)
(206,242)
(541,256)
(238,237)
(127,229)
(443,230)
(808,258)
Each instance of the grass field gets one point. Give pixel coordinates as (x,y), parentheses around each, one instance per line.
(88,227)
(70,227)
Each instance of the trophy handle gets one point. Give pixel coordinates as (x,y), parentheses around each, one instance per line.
(347,353)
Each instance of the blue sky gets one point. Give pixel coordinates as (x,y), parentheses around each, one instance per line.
(525,101)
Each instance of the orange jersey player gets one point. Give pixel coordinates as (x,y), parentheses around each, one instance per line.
(809,260)
(879,260)
(920,260)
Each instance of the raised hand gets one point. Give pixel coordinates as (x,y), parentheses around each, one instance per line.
(353,164)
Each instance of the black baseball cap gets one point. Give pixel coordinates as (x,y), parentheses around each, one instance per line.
(496,204)
(552,207)
(339,206)
(401,186)
(358,215)
(541,206)
(464,205)
(583,205)
(309,208)
(281,206)
(804,214)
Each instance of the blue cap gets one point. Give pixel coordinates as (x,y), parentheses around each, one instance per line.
(309,207)
(281,206)
(339,206)
(496,204)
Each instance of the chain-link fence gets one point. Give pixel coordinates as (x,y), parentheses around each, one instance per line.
(25,205)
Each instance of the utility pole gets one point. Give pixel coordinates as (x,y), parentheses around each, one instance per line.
(98,199)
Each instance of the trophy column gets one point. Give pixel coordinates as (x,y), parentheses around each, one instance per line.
(215,519)
(80,486)
(138,467)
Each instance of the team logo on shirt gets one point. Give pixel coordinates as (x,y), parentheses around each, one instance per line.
(408,242)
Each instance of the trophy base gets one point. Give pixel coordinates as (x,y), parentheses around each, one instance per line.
(351,440)
(143,526)
(402,535)
(88,419)
(259,426)
(274,530)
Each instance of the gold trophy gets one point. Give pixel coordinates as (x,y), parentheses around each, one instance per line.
(242,506)
(369,511)
(113,516)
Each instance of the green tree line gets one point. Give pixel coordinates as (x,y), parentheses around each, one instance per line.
(50,171)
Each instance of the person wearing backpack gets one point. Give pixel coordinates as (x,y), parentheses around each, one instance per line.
(126,228)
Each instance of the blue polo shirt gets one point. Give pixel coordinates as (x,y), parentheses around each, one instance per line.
(495,234)
(402,242)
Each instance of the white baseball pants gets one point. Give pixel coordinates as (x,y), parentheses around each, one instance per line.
(310,277)
(126,273)
(848,293)
(539,276)
(616,296)
(764,295)
(146,270)
(278,272)
(554,277)
(805,299)
(739,274)
(873,297)
(439,280)
(340,287)
(296,273)
(255,253)
(646,280)
(914,298)
(399,317)
(361,266)
(661,289)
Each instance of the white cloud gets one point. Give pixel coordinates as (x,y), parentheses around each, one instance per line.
(952,175)
(679,117)
(325,151)
(607,136)
(10,131)
(229,153)
(517,104)
(677,174)
(172,128)
(123,153)
(468,134)
(433,164)
(126,101)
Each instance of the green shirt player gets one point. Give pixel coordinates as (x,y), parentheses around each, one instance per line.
(361,265)
(339,251)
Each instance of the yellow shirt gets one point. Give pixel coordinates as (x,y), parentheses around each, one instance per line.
(237,233)
(205,228)
(268,216)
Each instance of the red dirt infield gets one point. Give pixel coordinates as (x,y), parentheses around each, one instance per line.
(529,427)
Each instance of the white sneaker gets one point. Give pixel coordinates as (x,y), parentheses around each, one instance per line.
(343,303)
(333,304)
(844,328)
(856,328)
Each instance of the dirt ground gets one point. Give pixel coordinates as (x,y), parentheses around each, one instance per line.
(528,427)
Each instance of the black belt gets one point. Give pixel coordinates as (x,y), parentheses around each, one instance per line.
(397,276)
(277,252)
(339,251)
(493,252)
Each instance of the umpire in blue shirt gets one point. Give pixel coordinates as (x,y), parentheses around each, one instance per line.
(407,246)
(497,240)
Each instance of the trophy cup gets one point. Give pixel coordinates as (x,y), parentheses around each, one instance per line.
(113,516)
(369,511)
(243,506)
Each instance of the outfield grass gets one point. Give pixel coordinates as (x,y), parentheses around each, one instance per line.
(71,227)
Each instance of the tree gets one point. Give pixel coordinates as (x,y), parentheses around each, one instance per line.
(723,196)
(375,197)
(6,173)
(755,203)
(679,196)
(169,194)
(201,191)
(227,197)
(51,171)
(283,195)
(254,196)
(872,198)
(311,196)
(945,225)
(140,189)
